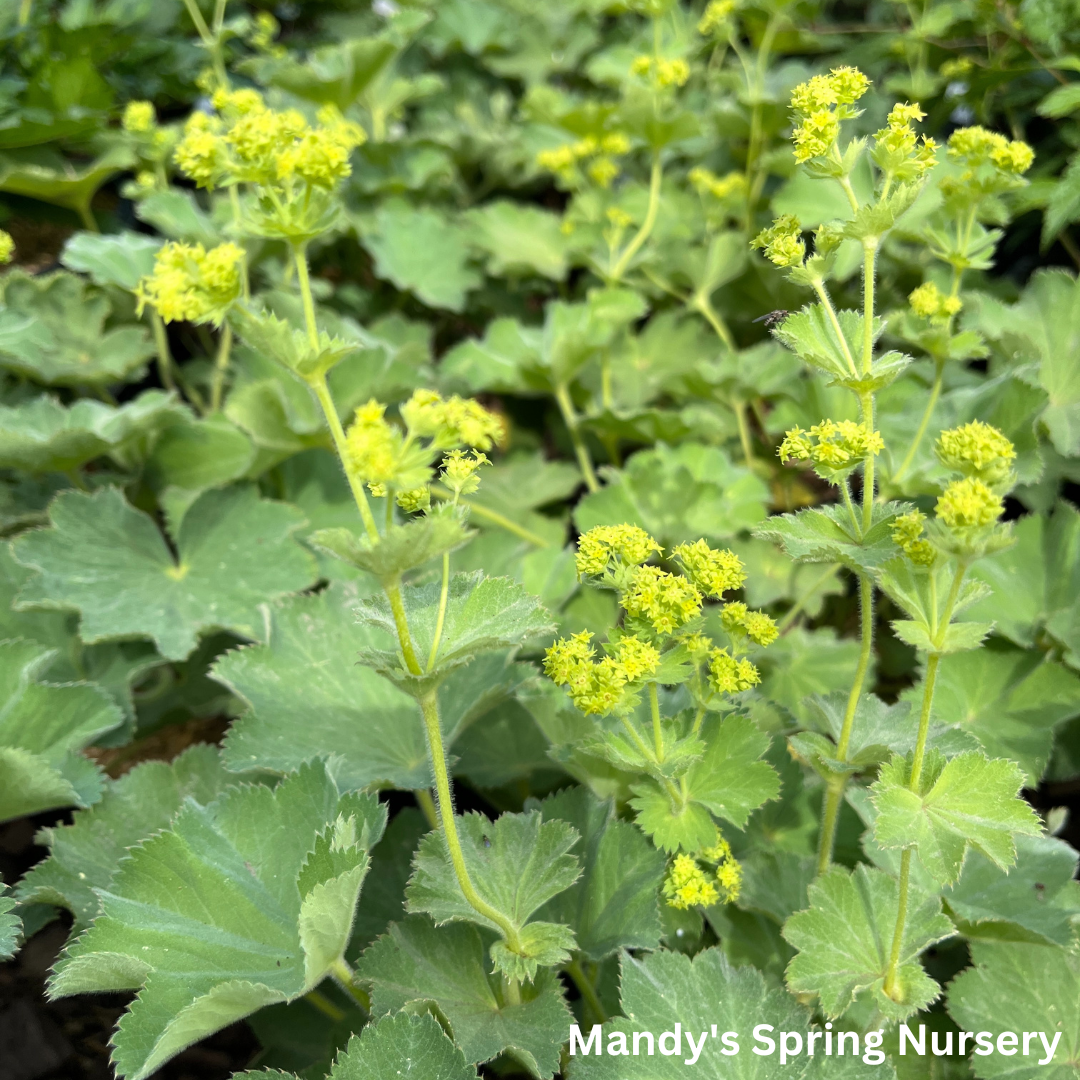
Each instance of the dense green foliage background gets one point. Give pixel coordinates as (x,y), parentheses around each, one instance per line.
(160,484)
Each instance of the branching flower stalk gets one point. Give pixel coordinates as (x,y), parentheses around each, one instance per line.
(966,527)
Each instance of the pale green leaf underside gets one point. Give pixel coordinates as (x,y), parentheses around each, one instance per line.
(417,962)
(109,562)
(239,905)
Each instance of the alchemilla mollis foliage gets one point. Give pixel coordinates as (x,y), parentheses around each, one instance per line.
(588,493)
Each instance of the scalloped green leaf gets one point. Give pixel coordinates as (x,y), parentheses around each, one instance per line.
(1041,986)
(678,494)
(85,855)
(517,863)
(1012,702)
(729,780)
(122,259)
(42,729)
(52,330)
(482,614)
(44,436)
(1037,900)
(826,534)
(370,731)
(968,800)
(108,561)
(518,238)
(240,904)
(416,964)
(844,940)
(614,903)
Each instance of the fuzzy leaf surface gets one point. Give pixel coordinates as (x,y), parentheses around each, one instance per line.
(44,436)
(729,780)
(417,962)
(970,799)
(109,562)
(238,905)
(613,905)
(85,855)
(844,939)
(517,863)
(482,614)
(52,330)
(368,729)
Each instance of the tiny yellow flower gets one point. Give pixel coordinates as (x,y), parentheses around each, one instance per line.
(686,886)
(192,284)
(782,242)
(412,502)
(7,248)
(716,16)
(459,472)
(638,658)
(907,534)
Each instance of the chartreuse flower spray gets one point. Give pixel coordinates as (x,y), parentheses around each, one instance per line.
(675,632)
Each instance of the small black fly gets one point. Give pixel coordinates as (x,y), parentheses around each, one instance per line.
(773,319)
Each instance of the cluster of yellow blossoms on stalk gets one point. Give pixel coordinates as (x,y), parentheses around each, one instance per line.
(929,302)
(833,446)
(245,141)
(820,104)
(192,284)
(661,72)
(711,876)
(972,504)
(600,151)
(719,187)
(389,458)
(660,607)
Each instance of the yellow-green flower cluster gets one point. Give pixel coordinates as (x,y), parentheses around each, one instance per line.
(716,17)
(929,302)
(597,687)
(192,284)
(729,674)
(7,248)
(820,104)
(782,241)
(459,471)
(247,142)
(686,885)
(977,450)
(599,151)
(666,601)
(383,456)
(898,150)
(661,72)
(969,503)
(629,544)
(907,534)
(739,621)
(139,117)
(977,146)
(832,445)
(719,187)
(453,421)
(712,572)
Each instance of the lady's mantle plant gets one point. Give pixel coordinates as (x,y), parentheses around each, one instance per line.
(665,771)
